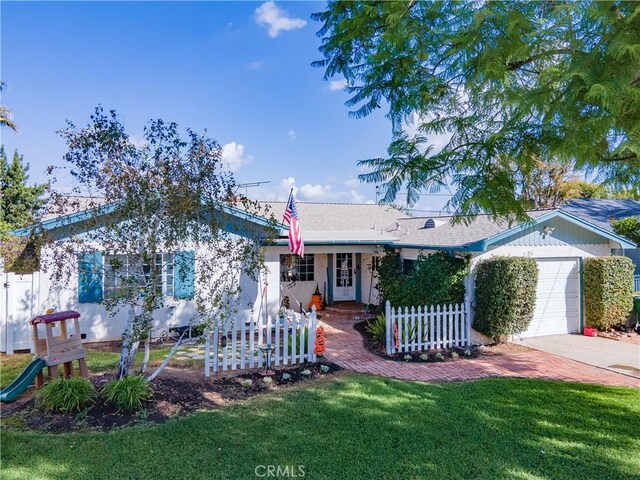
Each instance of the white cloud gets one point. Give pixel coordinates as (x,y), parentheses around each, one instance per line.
(256,65)
(233,156)
(314,192)
(309,192)
(276,19)
(292,135)
(351,183)
(335,85)
(356,197)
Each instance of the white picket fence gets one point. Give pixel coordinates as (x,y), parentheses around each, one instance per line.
(427,328)
(236,345)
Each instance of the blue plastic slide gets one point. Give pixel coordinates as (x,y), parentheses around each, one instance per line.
(20,384)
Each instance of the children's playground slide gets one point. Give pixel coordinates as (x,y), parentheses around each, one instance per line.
(20,384)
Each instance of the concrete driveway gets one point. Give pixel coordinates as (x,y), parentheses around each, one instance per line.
(613,355)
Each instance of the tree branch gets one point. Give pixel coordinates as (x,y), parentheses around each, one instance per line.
(520,63)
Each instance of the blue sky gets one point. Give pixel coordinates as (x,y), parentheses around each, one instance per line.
(239,69)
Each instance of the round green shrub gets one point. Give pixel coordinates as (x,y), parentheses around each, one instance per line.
(65,395)
(127,394)
(505,295)
(436,279)
(608,291)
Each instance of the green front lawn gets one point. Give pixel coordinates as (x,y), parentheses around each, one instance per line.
(354,426)
(97,360)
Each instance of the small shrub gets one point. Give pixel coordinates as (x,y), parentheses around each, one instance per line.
(467,352)
(324,368)
(127,394)
(424,357)
(267,380)
(505,295)
(377,328)
(247,383)
(439,357)
(65,395)
(407,358)
(306,372)
(286,377)
(454,355)
(608,291)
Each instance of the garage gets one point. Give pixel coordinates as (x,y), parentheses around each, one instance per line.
(558,298)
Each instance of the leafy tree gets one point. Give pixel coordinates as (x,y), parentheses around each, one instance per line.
(628,227)
(509,82)
(19,202)
(146,201)
(19,205)
(5,113)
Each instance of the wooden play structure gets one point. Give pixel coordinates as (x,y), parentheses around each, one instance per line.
(62,349)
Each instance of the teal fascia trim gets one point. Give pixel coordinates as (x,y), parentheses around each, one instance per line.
(458,248)
(77,217)
(66,220)
(263,222)
(482,245)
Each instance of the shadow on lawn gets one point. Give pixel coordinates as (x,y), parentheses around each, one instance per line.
(366,427)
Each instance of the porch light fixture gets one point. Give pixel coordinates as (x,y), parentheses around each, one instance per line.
(548,230)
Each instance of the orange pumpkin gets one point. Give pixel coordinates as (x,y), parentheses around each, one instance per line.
(320,341)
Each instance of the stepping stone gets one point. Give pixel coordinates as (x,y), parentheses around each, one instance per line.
(181,358)
(198,357)
(193,349)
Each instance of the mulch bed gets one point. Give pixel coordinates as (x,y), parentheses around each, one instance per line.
(448,355)
(176,392)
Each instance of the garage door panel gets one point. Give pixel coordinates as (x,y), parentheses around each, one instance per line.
(557,308)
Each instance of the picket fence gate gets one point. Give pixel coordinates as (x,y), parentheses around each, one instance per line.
(235,345)
(427,328)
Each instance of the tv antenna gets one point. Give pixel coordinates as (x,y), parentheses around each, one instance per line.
(249,185)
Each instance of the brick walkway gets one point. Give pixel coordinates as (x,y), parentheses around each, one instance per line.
(345,347)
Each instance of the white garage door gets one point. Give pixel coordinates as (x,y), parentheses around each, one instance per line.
(558,298)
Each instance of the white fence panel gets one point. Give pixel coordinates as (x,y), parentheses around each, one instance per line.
(235,346)
(428,327)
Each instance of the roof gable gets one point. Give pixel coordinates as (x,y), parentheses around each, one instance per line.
(585,233)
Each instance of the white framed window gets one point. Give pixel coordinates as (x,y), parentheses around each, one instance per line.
(120,273)
(296,269)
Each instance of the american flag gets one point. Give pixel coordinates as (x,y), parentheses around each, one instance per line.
(296,245)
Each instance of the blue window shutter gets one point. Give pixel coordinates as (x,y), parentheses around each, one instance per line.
(90,277)
(184,275)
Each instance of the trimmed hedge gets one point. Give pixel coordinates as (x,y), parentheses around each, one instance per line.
(436,279)
(608,291)
(505,295)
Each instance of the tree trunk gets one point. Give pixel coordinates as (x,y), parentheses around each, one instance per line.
(147,353)
(128,356)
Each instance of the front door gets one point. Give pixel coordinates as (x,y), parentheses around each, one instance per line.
(344,288)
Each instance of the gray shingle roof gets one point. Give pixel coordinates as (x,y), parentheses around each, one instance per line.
(600,211)
(412,231)
(340,216)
